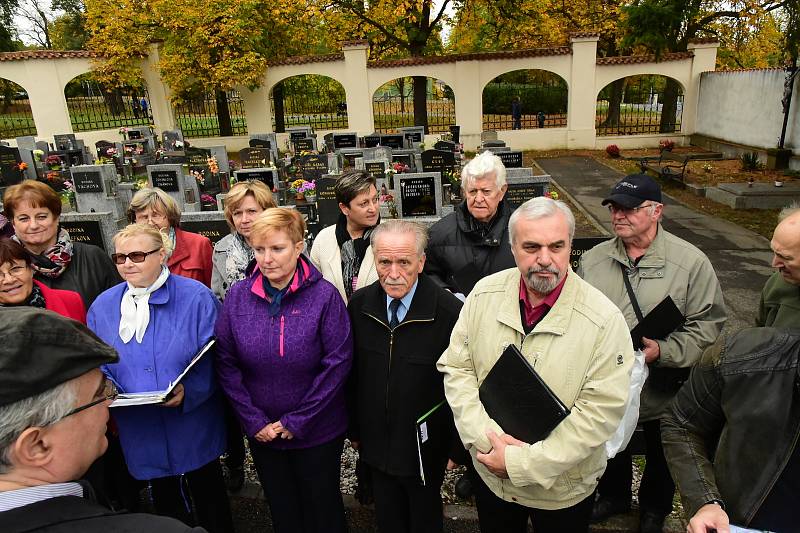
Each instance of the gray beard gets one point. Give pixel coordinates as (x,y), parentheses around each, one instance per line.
(543,285)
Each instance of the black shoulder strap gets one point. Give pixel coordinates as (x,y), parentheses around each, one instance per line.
(632,296)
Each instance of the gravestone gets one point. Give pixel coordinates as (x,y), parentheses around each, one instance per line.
(371,141)
(134,135)
(511,159)
(406,159)
(437,161)
(313,166)
(309,210)
(495,149)
(345,140)
(220,153)
(254,157)
(307,144)
(172,140)
(445,146)
(271,140)
(64,141)
(300,132)
(211,224)
(380,152)
(327,206)
(413,134)
(393,140)
(349,156)
(523,188)
(259,143)
(455,133)
(105,149)
(488,135)
(26,145)
(419,194)
(376,168)
(9,166)
(96,189)
(492,143)
(170,179)
(96,228)
(581,246)
(267,176)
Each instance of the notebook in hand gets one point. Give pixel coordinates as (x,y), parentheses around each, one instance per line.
(662,320)
(517,398)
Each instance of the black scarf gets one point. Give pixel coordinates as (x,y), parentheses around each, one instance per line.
(352,252)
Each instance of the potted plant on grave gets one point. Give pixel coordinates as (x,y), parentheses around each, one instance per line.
(302,188)
(68,194)
(53,162)
(612,150)
(207,202)
(666,145)
(388,205)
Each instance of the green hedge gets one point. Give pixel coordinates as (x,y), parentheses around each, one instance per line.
(550,99)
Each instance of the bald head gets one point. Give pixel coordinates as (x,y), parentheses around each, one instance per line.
(786,248)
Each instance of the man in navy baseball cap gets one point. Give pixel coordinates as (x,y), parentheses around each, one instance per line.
(633,190)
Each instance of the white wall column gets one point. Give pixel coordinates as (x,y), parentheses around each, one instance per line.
(159,92)
(468,91)
(257,109)
(582,98)
(360,117)
(705,59)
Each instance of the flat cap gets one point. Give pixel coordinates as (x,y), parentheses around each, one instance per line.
(41,349)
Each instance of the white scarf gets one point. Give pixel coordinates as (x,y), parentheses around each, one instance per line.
(135,308)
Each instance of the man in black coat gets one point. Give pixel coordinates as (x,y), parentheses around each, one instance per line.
(401,325)
(53,413)
(472,242)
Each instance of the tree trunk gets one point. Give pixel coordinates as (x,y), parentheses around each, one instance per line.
(114,101)
(223,114)
(614,101)
(421,101)
(669,106)
(277,108)
(401,88)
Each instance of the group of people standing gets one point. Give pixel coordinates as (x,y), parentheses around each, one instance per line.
(382,333)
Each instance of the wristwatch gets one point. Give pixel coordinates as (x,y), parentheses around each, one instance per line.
(718,502)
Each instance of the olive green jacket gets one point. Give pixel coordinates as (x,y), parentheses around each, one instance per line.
(780,304)
(581,349)
(671,266)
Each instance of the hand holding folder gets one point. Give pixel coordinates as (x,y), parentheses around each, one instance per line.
(662,320)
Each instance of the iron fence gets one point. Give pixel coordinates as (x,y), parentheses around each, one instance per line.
(393,106)
(214,114)
(93,106)
(540,98)
(639,105)
(308,100)
(16,118)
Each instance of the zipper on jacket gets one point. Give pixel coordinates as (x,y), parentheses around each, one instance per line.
(281,348)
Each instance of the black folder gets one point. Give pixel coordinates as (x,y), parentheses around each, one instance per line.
(517,398)
(662,320)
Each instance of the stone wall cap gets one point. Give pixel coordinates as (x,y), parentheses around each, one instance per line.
(302,60)
(48,54)
(632,60)
(476,56)
(355,42)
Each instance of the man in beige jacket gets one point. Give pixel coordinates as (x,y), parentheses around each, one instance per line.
(577,341)
(657,264)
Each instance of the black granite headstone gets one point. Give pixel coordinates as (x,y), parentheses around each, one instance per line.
(510,159)
(371,141)
(266,176)
(213,229)
(87,181)
(392,140)
(172,140)
(9,166)
(85,231)
(103,147)
(519,193)
(305,144)
(197,158)
(254,157)
(418,196)
(345,140)
(402,158)
(134,135)
(445,146)
(376,168)
(308,209)
(297,135)
(579,246)
(350,159)
(65,141)
(166,180)
(313,166)
(437,161)
(327,206)
(259,143)
(455,131)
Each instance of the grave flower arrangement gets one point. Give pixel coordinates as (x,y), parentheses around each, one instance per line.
(612,150)
(53,162)
(302,188)
(198,177)
(213,164)
(68,193)
(666,145)
(21,166)
(553,195)
(387,200)
(38,154)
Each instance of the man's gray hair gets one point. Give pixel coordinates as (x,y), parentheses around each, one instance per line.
(481,165)
(788,211)
(419,231)
(35,411)
(541,207)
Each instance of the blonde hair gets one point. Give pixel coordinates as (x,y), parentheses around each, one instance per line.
(157,237)
(260,193)
(157,200)
(280,219)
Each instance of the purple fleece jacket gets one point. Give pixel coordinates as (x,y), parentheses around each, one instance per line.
(291,367)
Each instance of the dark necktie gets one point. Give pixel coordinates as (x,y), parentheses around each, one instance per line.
(394,305)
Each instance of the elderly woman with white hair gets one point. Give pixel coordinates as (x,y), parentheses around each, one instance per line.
(472,242)
(157,321)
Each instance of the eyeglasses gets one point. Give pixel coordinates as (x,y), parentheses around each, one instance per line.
(136,257)
(15,272)
(109,393)
(152,217)
(612,208)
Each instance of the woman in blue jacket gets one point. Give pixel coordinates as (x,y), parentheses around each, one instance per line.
(158,322)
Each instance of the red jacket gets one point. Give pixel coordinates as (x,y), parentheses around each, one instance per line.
(66,303)
(191,257)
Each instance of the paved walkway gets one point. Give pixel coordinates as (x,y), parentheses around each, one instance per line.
(740,257)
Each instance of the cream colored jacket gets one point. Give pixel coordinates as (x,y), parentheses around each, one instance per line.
(327,257)
(581,349)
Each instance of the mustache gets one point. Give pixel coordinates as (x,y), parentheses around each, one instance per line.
(537,270)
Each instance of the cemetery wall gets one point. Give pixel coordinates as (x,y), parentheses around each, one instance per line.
(744,107)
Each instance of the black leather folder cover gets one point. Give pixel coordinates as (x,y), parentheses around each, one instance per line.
(517,398)
(660,322)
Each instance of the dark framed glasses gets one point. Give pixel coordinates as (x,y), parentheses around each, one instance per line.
(109,393)
(135,257)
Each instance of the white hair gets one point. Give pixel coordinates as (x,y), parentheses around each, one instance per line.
(481,165)
(35,411)
(789,210)
(541,207)
(419,231)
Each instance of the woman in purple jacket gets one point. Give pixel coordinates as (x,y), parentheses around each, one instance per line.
(284,351)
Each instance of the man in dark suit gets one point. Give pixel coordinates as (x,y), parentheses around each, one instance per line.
(401,325)
(53,413)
